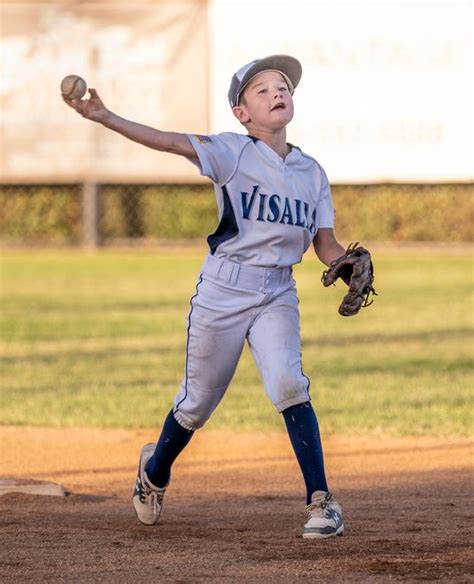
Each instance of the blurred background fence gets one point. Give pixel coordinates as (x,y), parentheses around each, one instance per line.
(111,214)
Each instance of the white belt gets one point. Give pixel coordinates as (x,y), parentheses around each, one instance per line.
(243,276)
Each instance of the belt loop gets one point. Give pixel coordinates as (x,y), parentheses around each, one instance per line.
(230,273)
(219,269)
(234,275)
(227,272)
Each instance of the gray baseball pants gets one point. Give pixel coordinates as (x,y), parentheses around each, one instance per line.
(234,303)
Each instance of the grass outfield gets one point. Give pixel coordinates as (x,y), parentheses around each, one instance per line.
(97,339)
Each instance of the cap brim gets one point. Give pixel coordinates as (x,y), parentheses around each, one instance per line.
(289,66)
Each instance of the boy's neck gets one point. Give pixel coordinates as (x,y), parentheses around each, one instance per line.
(276,141)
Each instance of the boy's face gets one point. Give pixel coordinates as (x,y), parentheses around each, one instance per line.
(266,102)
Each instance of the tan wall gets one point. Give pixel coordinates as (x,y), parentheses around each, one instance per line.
(385,94)
(149,63)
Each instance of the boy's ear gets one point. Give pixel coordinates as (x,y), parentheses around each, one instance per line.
(241,113)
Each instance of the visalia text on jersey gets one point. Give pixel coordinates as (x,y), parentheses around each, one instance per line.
(278,208)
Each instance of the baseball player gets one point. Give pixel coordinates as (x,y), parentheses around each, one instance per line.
(274,201)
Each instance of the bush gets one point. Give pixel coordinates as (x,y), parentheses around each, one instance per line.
(40,214)
(52,214)
(405,212)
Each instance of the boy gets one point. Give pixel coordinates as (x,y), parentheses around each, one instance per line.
(274,201)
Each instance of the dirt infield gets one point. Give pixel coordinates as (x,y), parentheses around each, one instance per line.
(234,512)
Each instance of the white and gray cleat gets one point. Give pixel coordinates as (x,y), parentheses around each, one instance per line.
(325,517)
(147,499)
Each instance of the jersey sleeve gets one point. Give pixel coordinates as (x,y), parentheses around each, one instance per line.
(217,155)
(324,208)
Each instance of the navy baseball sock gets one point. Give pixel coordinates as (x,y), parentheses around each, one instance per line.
(303,429)
(173,440)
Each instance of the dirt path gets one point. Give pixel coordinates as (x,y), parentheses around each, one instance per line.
(234,512)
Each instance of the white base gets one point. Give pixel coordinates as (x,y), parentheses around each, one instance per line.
(31,487)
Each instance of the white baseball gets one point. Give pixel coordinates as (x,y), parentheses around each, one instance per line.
(73,87)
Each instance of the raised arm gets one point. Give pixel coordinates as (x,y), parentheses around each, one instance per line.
(94,109)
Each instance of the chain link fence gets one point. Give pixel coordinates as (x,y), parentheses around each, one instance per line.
(93,215)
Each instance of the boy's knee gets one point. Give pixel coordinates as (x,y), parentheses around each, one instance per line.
(289,390)
(190,421)
(194,406)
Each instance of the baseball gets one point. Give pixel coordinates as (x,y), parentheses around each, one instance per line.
(73,87)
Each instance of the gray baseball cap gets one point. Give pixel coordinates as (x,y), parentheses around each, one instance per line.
(288,66)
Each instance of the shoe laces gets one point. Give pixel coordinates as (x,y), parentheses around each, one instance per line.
(150,496)
(155,500)
(320,508)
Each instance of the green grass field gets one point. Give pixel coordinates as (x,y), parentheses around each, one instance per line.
(97,339)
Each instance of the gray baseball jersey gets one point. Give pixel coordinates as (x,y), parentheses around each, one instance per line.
(269,208)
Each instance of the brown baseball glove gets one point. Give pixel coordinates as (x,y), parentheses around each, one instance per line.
(356,270)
